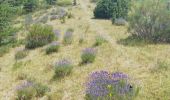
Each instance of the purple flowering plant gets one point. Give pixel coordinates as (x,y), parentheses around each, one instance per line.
(53,47)
(68,37)
(103,85)
(88,55)
(57,34)
(63,68)
(28,90)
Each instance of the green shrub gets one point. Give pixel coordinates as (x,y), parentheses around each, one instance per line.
(63,68)
(21,54)
(30,5)
(29,90)
(40,89)
(111,8)
(149,19)
(68,36)
(39,35)
(64,2)
(51,2)
(99,40)
(25,91)
(88,55)
(53,47)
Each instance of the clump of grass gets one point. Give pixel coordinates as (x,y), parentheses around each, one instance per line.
(53,47)
(70,15)
(20,54)
(63,68)
(29,90)
(21,76)
(88,55)
(99,40)
(68,37)
(81,40)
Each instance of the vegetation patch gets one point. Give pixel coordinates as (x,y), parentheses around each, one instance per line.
(39,35)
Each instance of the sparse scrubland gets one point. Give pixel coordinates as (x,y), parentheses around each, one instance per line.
(84,50)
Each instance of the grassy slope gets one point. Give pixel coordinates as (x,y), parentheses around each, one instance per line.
(137,61)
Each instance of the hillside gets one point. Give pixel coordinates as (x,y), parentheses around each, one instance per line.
(144,62)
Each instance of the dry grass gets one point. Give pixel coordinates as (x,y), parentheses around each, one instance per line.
(136,60)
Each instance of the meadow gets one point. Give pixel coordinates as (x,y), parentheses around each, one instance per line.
(146,63)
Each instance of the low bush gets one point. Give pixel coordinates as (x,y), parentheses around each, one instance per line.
(25,91)
(30,5)
(63,68)
(53,47)
(111,9)
(88,55)
(68,37)
(149,19)
(99,40)
(20,54)
(39,35)
(102,85)
(29,90)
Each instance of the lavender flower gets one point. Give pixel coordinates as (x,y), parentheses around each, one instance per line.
(68,37)
(53,47)
(104,85)
(88,55)
(63,68)
(24,85)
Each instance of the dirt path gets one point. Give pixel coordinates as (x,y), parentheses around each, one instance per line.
(97,27)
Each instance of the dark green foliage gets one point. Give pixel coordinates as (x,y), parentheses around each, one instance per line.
(30,5)
(104,9)
(150,20)
(53,47)
(51,2)
(39,35)
(111,8)
(63,68)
